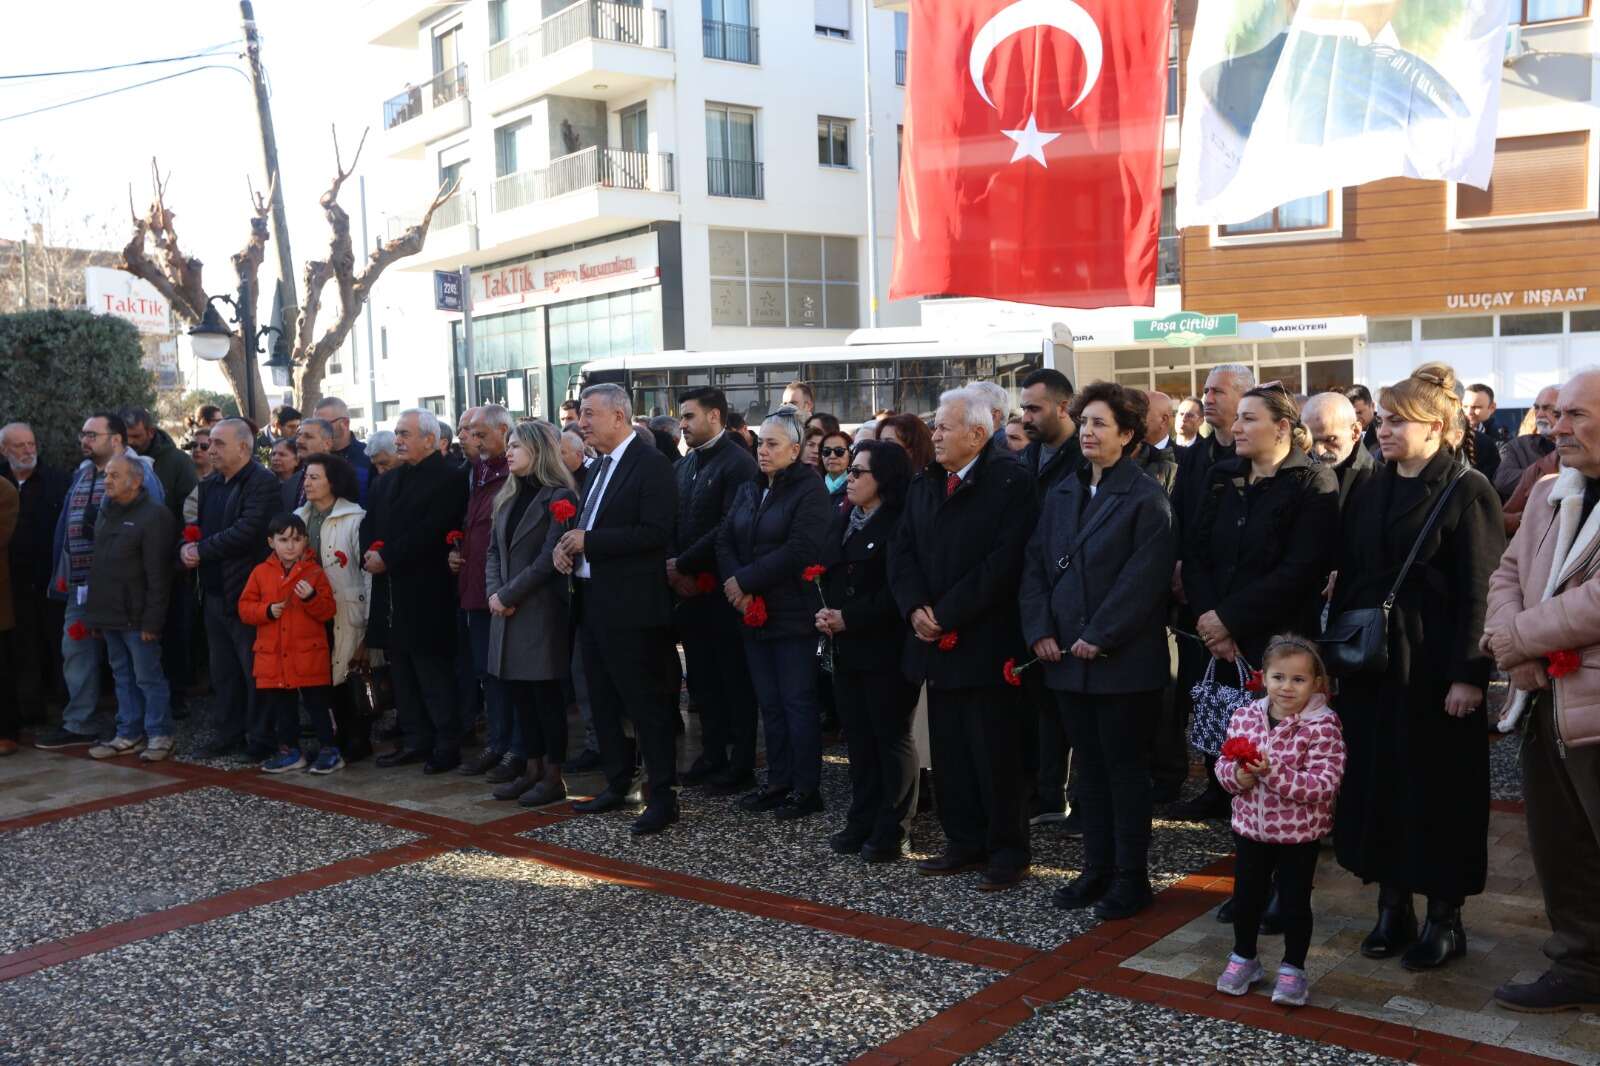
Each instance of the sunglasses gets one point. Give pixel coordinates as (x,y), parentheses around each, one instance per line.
(835,453)
(858,471)
(201,447)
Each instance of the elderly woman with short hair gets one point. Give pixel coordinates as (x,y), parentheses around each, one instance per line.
(771,534)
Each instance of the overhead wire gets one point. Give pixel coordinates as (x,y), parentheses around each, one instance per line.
(213,50)
(123,89)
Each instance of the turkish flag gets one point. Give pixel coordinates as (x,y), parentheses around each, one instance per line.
(1031,165)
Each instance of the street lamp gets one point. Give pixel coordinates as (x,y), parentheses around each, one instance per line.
(210,339)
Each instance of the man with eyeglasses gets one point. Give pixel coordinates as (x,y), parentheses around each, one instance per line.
(103,436)
(1529,448)
(345,445)
(42,490)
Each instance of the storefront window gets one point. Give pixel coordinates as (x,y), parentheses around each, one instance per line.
(1333,374)
(601,327)
(794,281)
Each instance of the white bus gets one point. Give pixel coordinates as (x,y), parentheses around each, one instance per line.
(900,369)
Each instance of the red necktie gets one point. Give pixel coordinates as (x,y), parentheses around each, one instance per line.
(951,483)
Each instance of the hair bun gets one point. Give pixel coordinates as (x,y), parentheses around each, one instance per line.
(1439,375)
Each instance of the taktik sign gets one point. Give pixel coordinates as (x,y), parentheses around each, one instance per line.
(610,267)
(116,292)
(1185,330)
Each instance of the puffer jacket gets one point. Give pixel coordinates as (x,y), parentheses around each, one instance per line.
(130,582)
(1305,754)
(767,543)
(291,651)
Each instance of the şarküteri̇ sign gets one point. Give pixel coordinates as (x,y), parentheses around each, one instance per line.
(1185,330)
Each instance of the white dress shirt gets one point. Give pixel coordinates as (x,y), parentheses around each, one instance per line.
(600,498)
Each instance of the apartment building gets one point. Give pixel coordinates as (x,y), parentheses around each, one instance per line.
(637,175)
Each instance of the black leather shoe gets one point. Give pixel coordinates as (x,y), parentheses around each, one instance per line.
(1000,878)
(1128,895)
(514,789)
(759,801)
(401,757)
(730,782)
(1225,912)
(798,805)
(1396,929)
(1210,805)
(875,853)
(1442,939)
(441,764)
(606,801)
(1082,891)
(656,817)
(588,759)
(844,842)
(509,768)
(948,863)
(542,795)
(481,763)
(1550,994)
(701,772)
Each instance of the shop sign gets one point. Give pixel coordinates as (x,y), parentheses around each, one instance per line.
(592,271)
(1185,330)
(1490,301)
(117,293)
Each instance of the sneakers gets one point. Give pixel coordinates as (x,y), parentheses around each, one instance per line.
(287,759)
(328,760)
(1239,976)
(158,749)
(117,746)
(1292,989)
(56,739)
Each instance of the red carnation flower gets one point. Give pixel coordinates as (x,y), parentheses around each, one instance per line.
(191,533)
(78,631)
(1563,663)
(375,546)
(755,615)
(1009,672)
(344,560)
(813,572)
(563,511)
(1241,750)
(454,537)
(61,584)
(949,641)
(1255,683)
(705,582)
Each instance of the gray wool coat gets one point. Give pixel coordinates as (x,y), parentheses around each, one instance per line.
(535,643)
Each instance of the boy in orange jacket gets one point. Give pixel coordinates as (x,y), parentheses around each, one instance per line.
(290,603)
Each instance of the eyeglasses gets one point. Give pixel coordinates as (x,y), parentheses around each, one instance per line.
(835,453)
(858,471)
(199,447)
(90,434)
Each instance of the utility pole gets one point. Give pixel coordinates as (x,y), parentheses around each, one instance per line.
(872,186)
(269,157)
(372,349)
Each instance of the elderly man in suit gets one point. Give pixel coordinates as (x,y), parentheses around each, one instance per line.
(616,552)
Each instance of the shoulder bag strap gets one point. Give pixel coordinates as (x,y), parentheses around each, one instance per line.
(1427,527)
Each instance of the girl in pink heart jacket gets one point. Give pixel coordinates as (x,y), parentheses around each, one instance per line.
(1283,761)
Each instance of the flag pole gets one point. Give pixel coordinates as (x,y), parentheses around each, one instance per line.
(872,189)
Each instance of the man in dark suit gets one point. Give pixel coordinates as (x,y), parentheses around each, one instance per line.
(719,681)
(616,552)
(954,572)
(414,508)
(1477,403)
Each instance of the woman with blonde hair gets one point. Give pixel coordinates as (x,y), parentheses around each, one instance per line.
(1413,812)
(530,642)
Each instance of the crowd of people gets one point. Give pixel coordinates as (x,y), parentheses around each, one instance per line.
(1037,612)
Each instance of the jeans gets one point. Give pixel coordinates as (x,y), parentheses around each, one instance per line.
(231,644)
(144,701)
(784,673)
(425,698)
(282,706)
(504,734)
(1111,737)
(1296,867)
(875,709)
(80,665)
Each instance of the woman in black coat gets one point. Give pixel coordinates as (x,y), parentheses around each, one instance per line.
(1096,582)
(876,703)
(1263,542)
(1413,811)
(771,534)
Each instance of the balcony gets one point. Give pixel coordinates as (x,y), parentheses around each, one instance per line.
(735,177)
(1168,257)
(452,236)
(424,113)
(395,23)
(732,41)
(900,66)
(594,50)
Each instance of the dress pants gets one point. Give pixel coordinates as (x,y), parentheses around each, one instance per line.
(876,708)
(541,710)
(719,681)
(234,714)
(1054,750)
(1169,743)
(977,736)
(425,698)
(37,651)
(1563,805)
(10,719)
(1256,866)
(175,661)
(784,673)
(580,696)
(504,735)
(469,693)
(1111,737)
(630,673)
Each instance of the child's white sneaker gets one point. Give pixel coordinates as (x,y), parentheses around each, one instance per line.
(1240,975)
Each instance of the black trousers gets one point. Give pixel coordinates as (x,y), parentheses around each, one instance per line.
(541,709)
(425,700)
(630,673)
(1563,802)
(469,691)
(1169,743)
(175,638)
(235,714)
(977,736)
(719,681)
(1253,867)
(876,709)
(1111,734)
(10,720)
(1054,750)
(283,706)
(37,651)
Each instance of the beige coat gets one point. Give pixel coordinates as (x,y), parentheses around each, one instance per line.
(1546,595)
(352,586)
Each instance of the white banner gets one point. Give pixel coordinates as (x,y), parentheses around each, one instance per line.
(1291,98)
(108,291)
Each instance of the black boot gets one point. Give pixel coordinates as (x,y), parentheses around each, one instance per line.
(1397,924)
(1129,894)
(1442,938)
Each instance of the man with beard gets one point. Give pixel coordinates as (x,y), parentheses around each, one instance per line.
(1336,440)
(1529,448)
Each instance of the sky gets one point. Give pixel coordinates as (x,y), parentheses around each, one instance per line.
(202,126)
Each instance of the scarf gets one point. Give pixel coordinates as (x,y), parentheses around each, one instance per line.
(835,483)
(857,521)
(85,498)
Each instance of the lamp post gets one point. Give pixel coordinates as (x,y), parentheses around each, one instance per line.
(210,339)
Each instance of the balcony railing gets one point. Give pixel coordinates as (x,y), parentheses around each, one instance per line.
(454,212)
(600,20)
(417,100)
(733,41)
(610,168)
(900,66)
(735,177)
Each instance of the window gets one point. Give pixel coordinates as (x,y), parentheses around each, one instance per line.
(383,341)
(1392,331)
(499,27)
(1530,325)
(1553,10)
(833,18)
(1306,213)
(357,413)
(795,281)
(731,165)
(507,140)
(635,122)
(1537,175)
(1585,322)
(833,141)
(902,23)
(729,32)
(432,403)
(1173,45)
(388,411)
(447,49)
(1167,255)
(599,327)
(1455,329)
(335,367)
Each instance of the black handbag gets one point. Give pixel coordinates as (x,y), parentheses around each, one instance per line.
(1357,641)
(371,691)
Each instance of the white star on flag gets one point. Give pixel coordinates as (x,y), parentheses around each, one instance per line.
(1030,142)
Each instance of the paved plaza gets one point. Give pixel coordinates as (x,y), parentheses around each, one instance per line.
(194,913)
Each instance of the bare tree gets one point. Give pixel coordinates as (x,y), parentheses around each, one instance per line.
(153,253)
(44,268)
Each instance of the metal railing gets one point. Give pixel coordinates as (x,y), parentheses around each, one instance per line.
(900,66)
(456,211)
(610,168)
(733,41)
(735,177)
(434,93)
(600,20)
